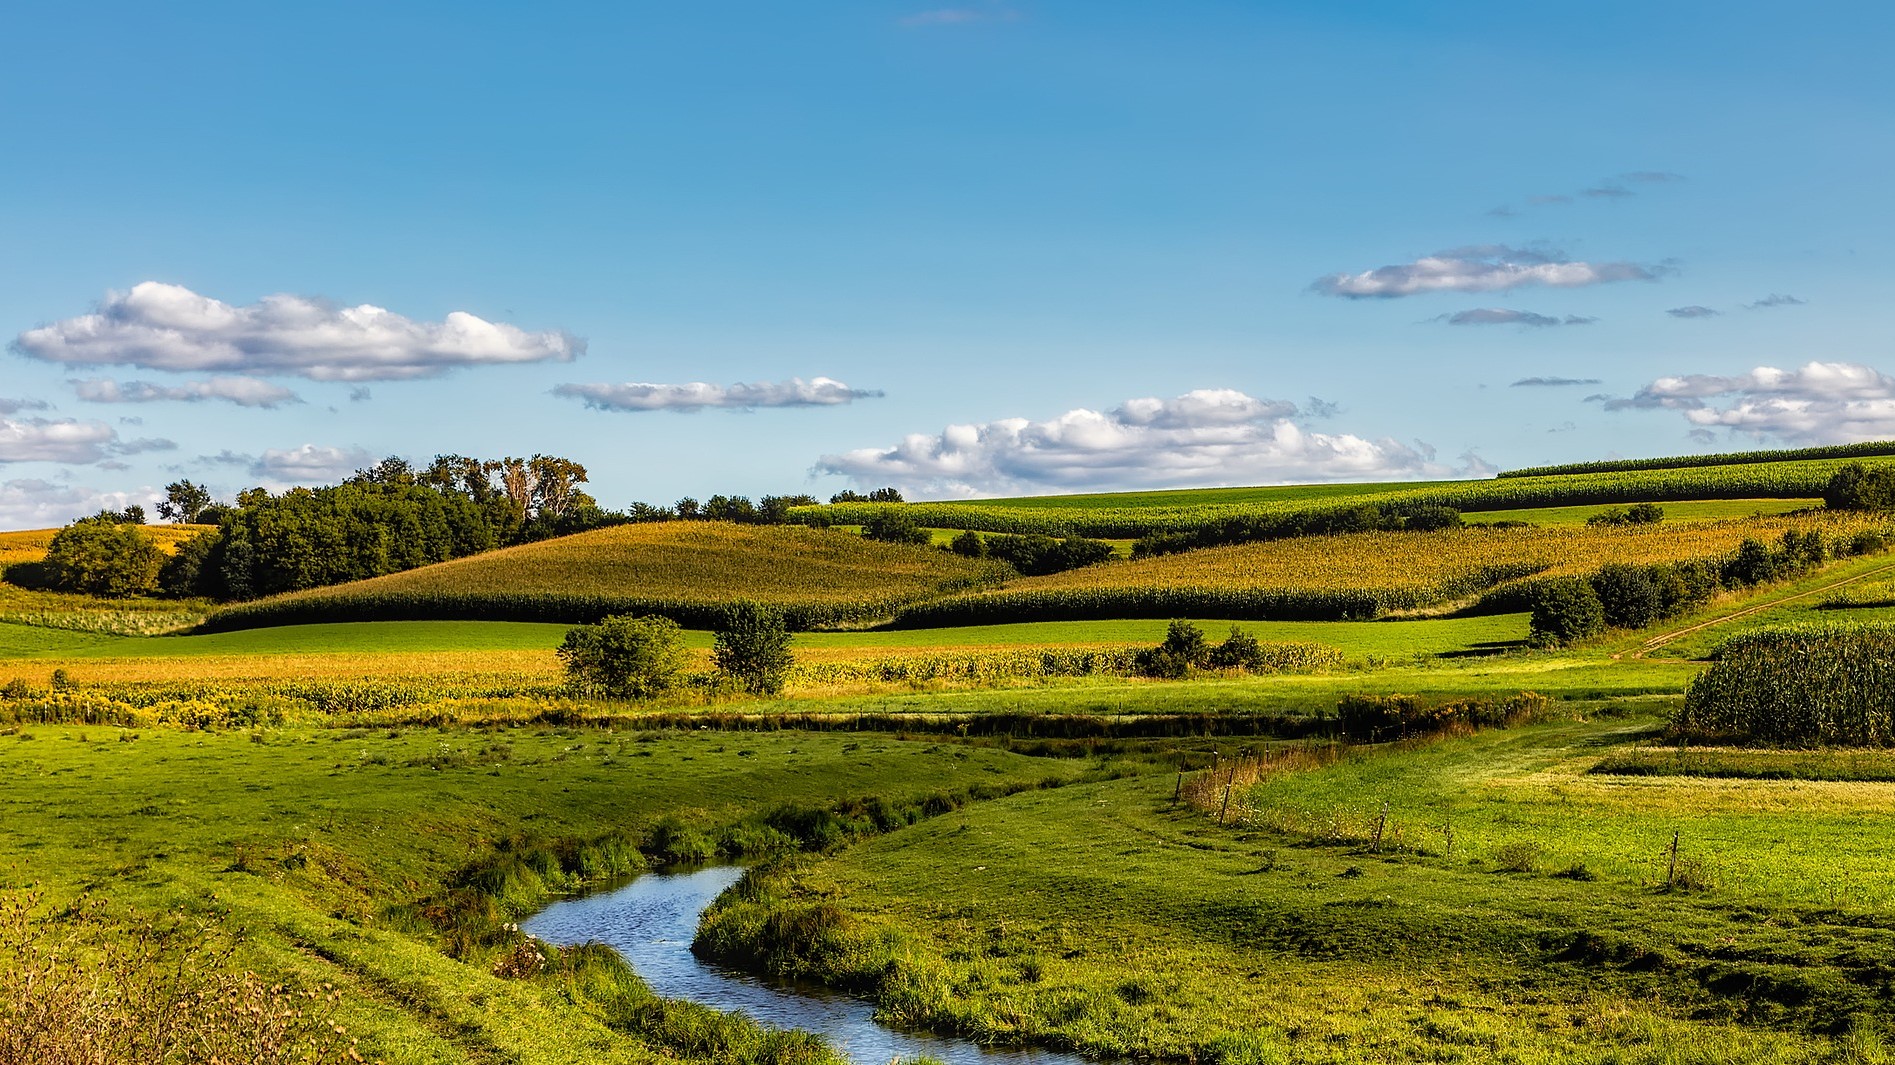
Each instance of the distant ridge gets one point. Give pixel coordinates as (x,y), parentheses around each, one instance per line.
(1871,449)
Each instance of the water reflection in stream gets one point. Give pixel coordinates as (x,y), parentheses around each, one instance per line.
(651,922)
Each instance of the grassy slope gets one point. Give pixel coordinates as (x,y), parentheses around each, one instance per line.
(1397,570)
(334,828)
(1100,914)
(674,567)
(1136,513)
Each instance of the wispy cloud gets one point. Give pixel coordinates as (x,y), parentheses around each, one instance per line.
(1693,311)
(1506,316)
(698,395)
(1817,402)
(15,406)
(1553,382)
(960,16)
(1483,268)
(1775,300)
(157,326)
(1204,437)
(309,464)
(243,391)
(1614,188)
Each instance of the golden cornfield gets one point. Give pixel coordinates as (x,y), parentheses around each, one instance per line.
(1361,575)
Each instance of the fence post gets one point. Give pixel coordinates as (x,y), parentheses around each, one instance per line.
(1226,809)
(1671,872)
(1380,824)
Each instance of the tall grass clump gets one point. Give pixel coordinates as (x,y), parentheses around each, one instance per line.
(1826,684)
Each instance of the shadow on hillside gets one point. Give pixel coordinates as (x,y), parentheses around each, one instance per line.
(1486,649)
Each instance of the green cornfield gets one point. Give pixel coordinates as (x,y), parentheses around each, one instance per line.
(1827,684)
(1183,512)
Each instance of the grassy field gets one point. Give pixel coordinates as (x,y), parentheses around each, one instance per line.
(1104,916)
(311,854)
(364,803)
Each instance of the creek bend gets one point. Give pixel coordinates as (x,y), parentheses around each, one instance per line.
(651,921)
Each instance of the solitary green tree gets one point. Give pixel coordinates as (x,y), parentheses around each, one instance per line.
(752,648)
(624,657)
(184,502)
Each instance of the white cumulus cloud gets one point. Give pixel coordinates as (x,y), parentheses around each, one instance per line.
(640,396)
(1484,268)
(37,504)
(1205,437)
(157,326)
(1819,402)
(310,464)
(243,391)
(55,440)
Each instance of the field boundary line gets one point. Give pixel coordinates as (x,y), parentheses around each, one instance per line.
(1656,642)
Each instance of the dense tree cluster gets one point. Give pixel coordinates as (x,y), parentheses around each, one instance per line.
(1033,555)
(879,495)
(1249,528)
(1185,648)
(1859,487)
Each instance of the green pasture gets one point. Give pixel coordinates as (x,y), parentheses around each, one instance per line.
(304,846)
(1106,916)
(1364,639)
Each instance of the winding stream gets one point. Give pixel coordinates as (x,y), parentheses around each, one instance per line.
(651,922)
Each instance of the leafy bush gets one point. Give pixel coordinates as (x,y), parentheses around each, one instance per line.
(1628,596)
(625,657)
(752,648)
(1564,611)
(1858,487)
(104,558)
(896,527)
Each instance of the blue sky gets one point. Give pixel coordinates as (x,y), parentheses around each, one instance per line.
(980,248)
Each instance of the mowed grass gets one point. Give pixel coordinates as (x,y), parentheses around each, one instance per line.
(1104,915)
(305,844)
(1687,510)
(371,647)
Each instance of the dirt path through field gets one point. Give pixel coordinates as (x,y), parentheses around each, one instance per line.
(1662,639)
